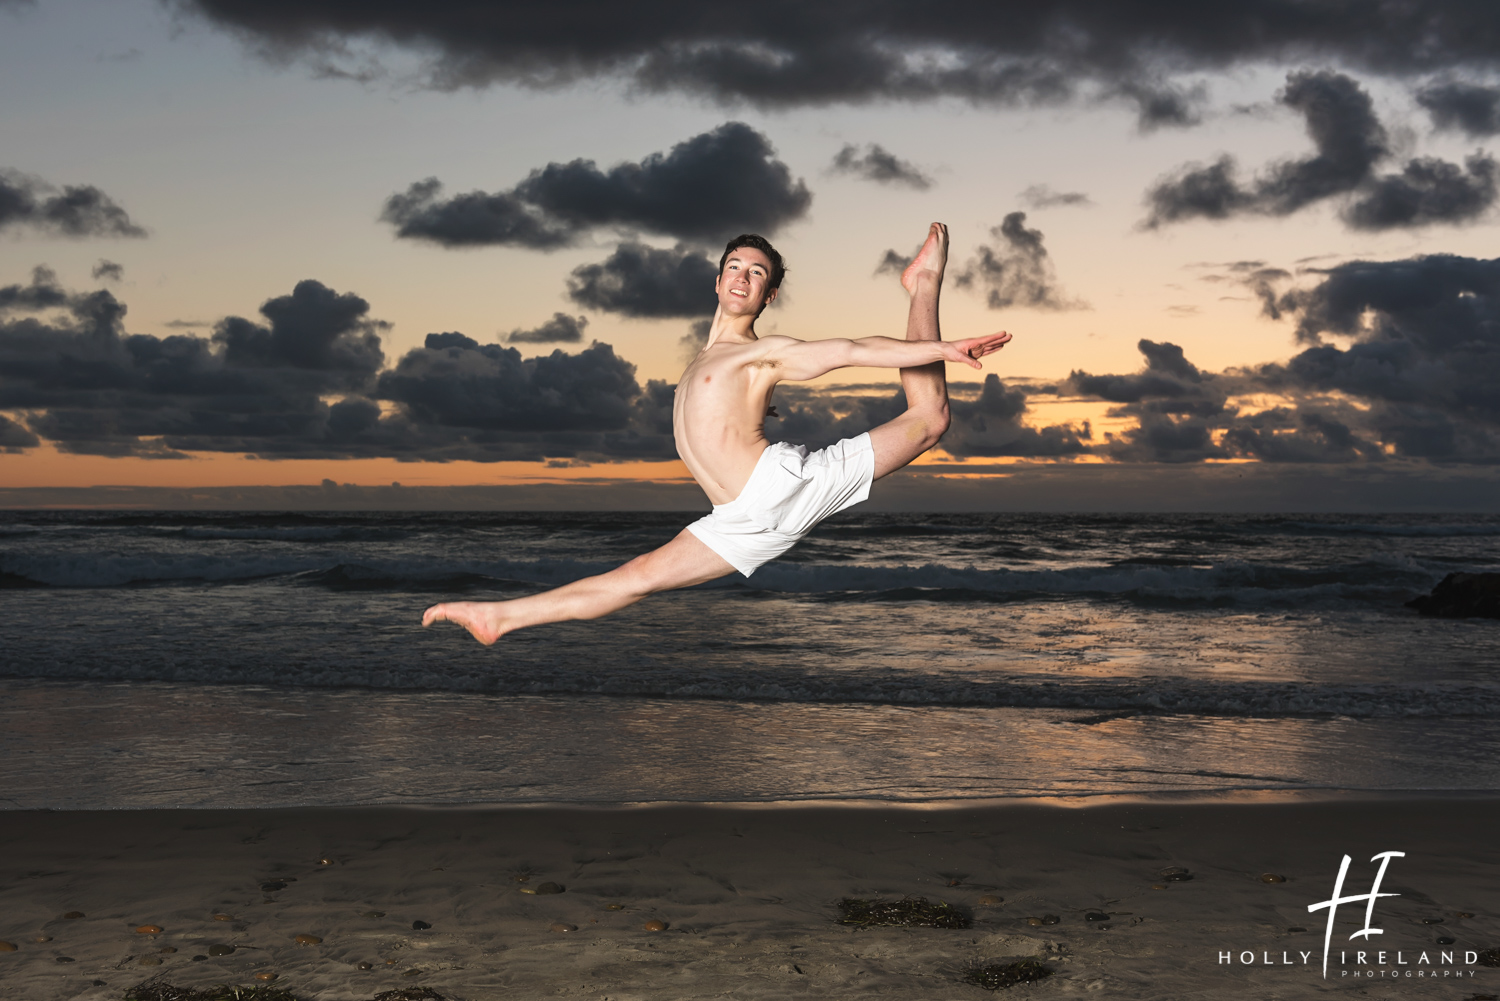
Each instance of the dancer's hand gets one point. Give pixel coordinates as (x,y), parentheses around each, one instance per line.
(970,350)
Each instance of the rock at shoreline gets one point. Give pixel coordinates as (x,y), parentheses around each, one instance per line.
(1462,596)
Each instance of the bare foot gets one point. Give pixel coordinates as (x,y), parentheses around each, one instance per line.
(481,618)
(932,257)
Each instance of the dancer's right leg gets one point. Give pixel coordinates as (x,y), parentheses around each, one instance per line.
(926,418)
(683,562)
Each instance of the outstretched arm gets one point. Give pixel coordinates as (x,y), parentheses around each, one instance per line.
(799,361)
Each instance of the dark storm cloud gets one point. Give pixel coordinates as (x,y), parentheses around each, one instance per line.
(76,210)
(1350,143)
(15,438)
(985,424)
(69,370)
(108,271)
(1465,107)
(1403,360)
(880,165)
(66,359)
(1164,106)
(793,53)
(1041,196)
(1427,191)
(642,281)
(706,188)
(491,403)
(1424,351)
(1017,271)
(561,329)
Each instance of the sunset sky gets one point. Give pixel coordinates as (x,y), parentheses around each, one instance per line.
(1262,238)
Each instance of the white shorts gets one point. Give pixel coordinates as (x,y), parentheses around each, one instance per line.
(790,491)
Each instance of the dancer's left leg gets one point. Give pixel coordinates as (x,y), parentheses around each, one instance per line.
(683,562)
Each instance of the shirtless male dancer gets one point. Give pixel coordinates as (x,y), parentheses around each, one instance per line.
(766,497)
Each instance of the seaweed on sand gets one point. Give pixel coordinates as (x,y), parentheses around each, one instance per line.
(908,912)
(155,990)
(996,976)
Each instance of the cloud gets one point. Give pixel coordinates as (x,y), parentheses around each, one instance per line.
(852,52)
(880,165)
(15,438)
(986,423)
(706,189)
(1350,142)
(1017,271)
(77,210)
(1424,351)
(561,329)
(1041,196)
(1427,191)
(1465,107)
(68,363)
(108,271)
(1164,105)
(642,281)
(307,379)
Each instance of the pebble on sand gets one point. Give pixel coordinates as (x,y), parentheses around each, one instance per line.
(1445,940)
(167,949)
(1271,877)
(420,926)
(614,907)
(374,914)
(563,926)
(7,947)
(148,930)
(221,950)
(1432,921)
(1045,919)
(199,959)
(149,961)
(73,915)
(325,861)
(65,959)
(990,900)
(551,888)
(272,886)
(655,925)
(1174,874)
(367,966)
(1096,916)
(309,940)
(42,938)
(223,917)
(413,972)
(265,976)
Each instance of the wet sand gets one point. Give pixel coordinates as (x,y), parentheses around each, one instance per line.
(748,895)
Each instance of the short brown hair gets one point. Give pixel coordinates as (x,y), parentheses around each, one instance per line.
(760,243)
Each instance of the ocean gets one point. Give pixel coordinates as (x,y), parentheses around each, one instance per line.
(170,659)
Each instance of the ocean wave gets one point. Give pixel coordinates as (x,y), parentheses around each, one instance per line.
(1432,530)
(1228,582)
(1093,699)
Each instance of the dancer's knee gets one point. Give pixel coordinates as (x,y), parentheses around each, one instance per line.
(933,420)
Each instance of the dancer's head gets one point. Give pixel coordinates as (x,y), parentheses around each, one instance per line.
(752,256)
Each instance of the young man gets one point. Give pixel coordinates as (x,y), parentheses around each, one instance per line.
(765,497)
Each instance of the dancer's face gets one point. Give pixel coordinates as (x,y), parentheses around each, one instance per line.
(742,284)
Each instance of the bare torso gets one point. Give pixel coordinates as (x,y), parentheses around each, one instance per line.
(719,415)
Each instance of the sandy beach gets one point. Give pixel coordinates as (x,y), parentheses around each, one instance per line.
(1148,898)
